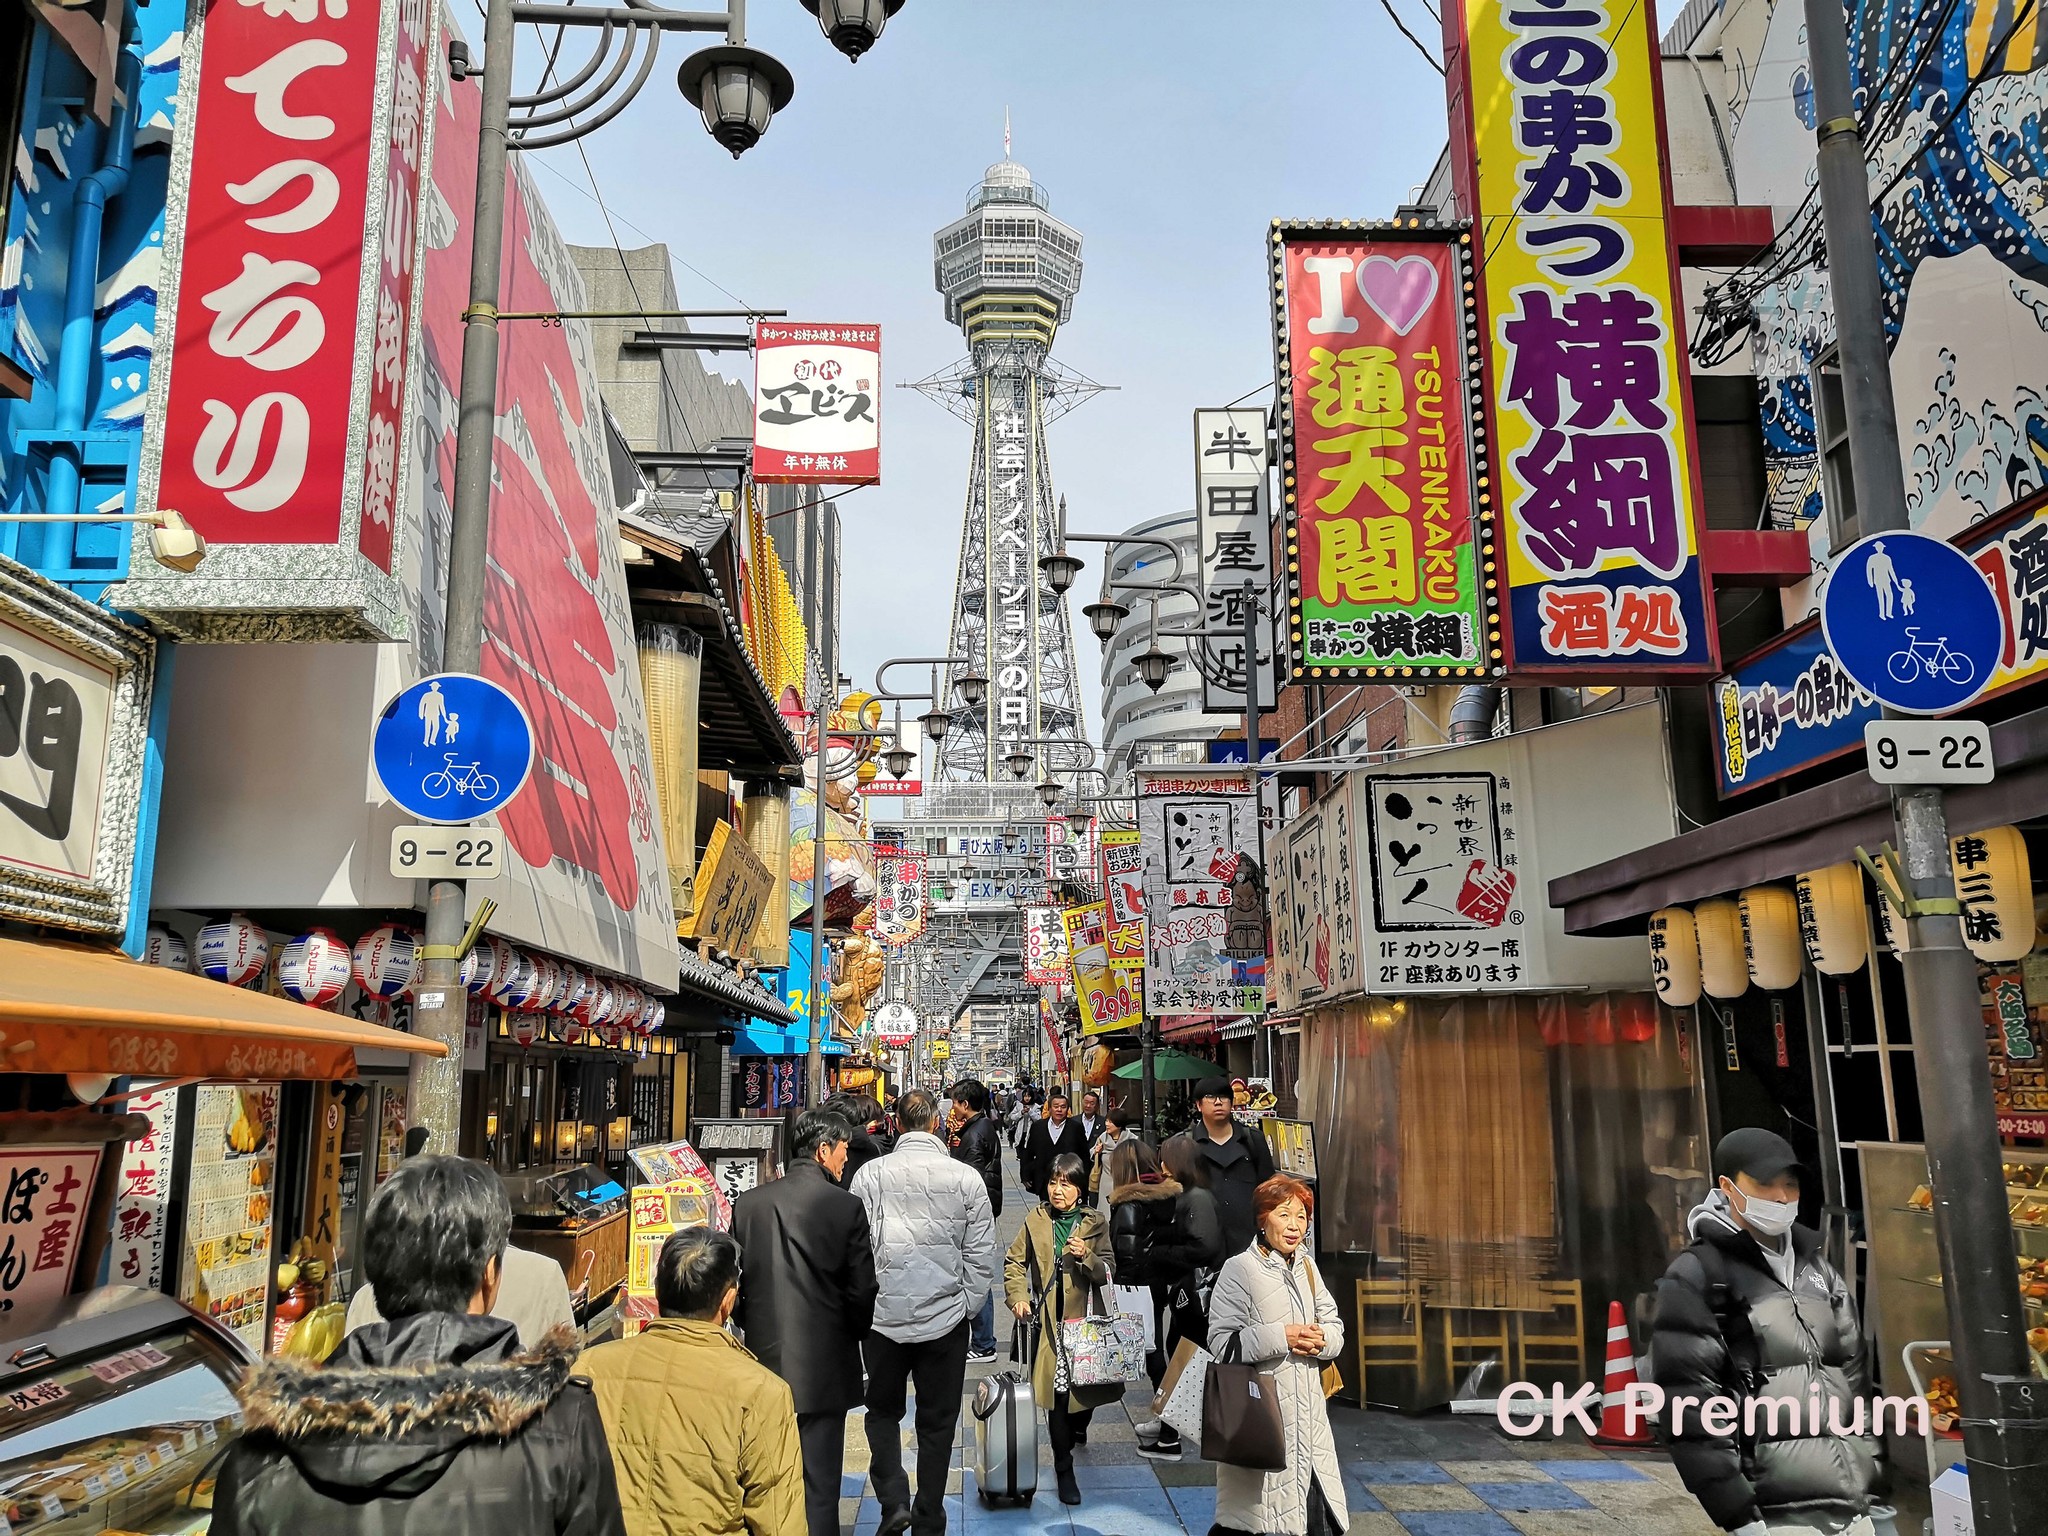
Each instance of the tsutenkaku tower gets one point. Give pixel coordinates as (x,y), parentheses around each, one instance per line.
(1009,271)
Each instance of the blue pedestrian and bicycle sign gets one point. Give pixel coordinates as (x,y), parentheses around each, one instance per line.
(1913,622)
(453,747)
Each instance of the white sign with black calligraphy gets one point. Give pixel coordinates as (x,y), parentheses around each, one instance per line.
(1234,524)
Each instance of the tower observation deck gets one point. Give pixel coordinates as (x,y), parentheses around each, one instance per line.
(1009,271)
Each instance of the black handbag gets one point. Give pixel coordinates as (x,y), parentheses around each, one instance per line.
(1241,1423)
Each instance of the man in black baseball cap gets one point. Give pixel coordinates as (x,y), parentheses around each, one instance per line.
(1752,1311)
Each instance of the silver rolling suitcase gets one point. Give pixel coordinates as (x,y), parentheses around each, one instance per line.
(1006,1428)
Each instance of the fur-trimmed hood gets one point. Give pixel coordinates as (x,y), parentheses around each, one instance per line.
(392,1406)
(1140,1192)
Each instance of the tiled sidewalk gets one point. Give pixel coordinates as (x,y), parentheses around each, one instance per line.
(1402,1477)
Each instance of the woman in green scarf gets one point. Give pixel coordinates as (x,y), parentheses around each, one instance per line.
(1061,1253)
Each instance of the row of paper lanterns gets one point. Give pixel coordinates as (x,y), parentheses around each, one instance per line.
(316,967)
(1765,935)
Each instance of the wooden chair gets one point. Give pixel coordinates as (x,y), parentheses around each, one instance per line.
(1487,1336)
(1557,1299)
(1401,1346)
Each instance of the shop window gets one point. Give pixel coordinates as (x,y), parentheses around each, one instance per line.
(1831,440)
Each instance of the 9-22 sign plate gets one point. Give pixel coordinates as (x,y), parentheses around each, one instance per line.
(447,853)
(1929,751)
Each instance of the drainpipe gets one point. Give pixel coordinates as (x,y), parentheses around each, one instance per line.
(81,301)
(1472,715)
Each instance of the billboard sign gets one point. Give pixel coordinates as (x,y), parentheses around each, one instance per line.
(817,404)
(286,337)
(1193,826)
(1386,547)
(1045,945)
(899,897)
(1557,148)
(1234,527)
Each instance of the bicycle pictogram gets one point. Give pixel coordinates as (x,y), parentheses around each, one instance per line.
(1933,657)
(470,779)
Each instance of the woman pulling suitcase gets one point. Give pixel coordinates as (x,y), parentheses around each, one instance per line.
(1058,1258)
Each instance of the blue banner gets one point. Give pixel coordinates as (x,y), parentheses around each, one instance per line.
(1785,710)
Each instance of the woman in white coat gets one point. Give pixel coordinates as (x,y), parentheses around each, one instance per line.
(1271,1301)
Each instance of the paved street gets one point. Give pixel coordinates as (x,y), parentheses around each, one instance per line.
(1435,1476)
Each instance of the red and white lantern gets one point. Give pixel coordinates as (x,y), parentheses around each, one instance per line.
(577,986)
(233,950)
(520,982)
(548,982)
(387,959)
(485,966)
(314,967)
(166,947)
(525,1026)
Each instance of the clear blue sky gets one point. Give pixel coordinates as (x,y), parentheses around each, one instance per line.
(1169,132)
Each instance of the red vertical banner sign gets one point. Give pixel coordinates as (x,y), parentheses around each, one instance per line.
(276,424)
(1389,560)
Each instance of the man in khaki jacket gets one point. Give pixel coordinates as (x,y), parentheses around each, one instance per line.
(703,1435)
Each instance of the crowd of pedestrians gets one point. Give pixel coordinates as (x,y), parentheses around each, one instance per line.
(460,1401)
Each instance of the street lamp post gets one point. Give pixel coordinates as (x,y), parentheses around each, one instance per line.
(737,89)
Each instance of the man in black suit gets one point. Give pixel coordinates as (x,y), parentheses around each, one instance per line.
(807,1297)
(1049,1137)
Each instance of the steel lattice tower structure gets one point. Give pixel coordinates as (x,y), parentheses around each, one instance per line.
(1009,271)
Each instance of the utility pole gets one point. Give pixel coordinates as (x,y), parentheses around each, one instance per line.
(441,1006)
(2004,1412)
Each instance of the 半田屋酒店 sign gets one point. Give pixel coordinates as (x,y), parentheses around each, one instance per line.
(1386,556)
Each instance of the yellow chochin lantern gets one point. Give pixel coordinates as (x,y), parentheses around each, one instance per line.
(1832,924)
(1996,888)
(1770,937)
(1674,957)
(1097,1062)
(1724,971)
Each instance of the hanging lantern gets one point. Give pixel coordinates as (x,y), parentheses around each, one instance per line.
(1635,1017)
(1724,972)
(1675,957)
(1996,888)
(1096,1064)
(1831,920)
(387,958)
(521,981)
(314,967)
(525,1026)
(601,1007)
(632,1003)
(166,947)
(485,966)
(577,987)
(652,1018)
(549,981)
(1770,937)
(233,950)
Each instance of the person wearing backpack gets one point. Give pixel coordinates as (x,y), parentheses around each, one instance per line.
(1752,1311)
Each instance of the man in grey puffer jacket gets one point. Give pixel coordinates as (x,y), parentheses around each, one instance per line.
(1753,1315)
(934,1237)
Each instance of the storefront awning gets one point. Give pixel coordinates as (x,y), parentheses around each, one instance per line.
(1784,838)
(73,1008)
(760,1038)
(714,982)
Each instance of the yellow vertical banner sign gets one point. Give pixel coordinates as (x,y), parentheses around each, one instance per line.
(1559,159)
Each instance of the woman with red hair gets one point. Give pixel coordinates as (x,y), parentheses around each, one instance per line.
(1272,1307)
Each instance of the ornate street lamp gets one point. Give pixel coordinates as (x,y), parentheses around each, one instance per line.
(852,25)
(738,89)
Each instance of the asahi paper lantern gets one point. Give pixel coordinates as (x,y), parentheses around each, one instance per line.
(653,1016)
(314,967)
(549,979)
(233,950)
(1770,937)
(631,1003)
(1724,970)
(1675,957)
(525,1027)
(387,958)
(1996,889)
(1831,919)
(577,986)
(484,967)
(166,947)
(600,1005)
(521,982)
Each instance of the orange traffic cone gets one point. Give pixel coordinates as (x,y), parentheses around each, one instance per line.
(1621,1375)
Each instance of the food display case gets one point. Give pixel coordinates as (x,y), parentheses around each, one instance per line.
(578,1217)
(1906,1286)
(116,1407)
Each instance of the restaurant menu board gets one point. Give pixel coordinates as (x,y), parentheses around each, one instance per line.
(660,1211)
(228,1196)
(2016,1037)
(1293,1145)
(675,1160)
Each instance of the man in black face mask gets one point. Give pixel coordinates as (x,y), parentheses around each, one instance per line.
(1752,1321)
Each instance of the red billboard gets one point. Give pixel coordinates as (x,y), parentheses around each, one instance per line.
(255,443)
(1386,557)
(817,404)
